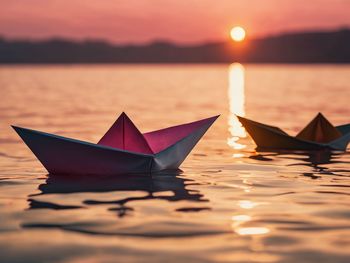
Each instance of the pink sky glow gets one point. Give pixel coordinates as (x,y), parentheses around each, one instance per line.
(187,21)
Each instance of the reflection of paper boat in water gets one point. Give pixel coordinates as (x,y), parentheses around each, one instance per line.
(318,134)
(156,186)
(123,149)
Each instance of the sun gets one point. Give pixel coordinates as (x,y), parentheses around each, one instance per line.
(237,33)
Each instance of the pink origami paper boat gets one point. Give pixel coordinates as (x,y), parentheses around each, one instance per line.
(123,149)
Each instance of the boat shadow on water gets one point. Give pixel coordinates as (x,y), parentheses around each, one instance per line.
(318,160)
(156,186)
(130,189)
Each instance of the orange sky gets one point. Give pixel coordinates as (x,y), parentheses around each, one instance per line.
(181,21)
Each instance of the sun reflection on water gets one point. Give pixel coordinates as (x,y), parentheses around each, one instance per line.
(246,204)
(237,227)
(236,104)
(252,231)
(241,218)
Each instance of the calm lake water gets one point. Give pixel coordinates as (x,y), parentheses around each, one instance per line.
(230,203)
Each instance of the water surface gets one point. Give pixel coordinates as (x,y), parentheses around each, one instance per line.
(230,203)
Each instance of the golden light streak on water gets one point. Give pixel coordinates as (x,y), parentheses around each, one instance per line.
(241,218)
(236,103)
(243,231)
(246,204)
(238,220)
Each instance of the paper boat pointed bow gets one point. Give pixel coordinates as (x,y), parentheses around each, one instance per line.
(318,134)
(123,149)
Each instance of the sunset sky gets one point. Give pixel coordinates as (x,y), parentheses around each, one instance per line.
(187,21)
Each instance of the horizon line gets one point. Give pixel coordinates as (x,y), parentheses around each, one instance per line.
(167,41)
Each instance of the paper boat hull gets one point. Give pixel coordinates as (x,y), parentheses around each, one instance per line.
(61,155)
(269,137)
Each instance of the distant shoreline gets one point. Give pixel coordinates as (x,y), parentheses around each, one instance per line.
(328,47)
(175,64)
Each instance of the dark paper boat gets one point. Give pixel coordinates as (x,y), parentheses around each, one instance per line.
(123,149)
(318,134)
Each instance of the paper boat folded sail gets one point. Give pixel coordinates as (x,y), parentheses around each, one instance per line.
(318,134)
(123,149)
